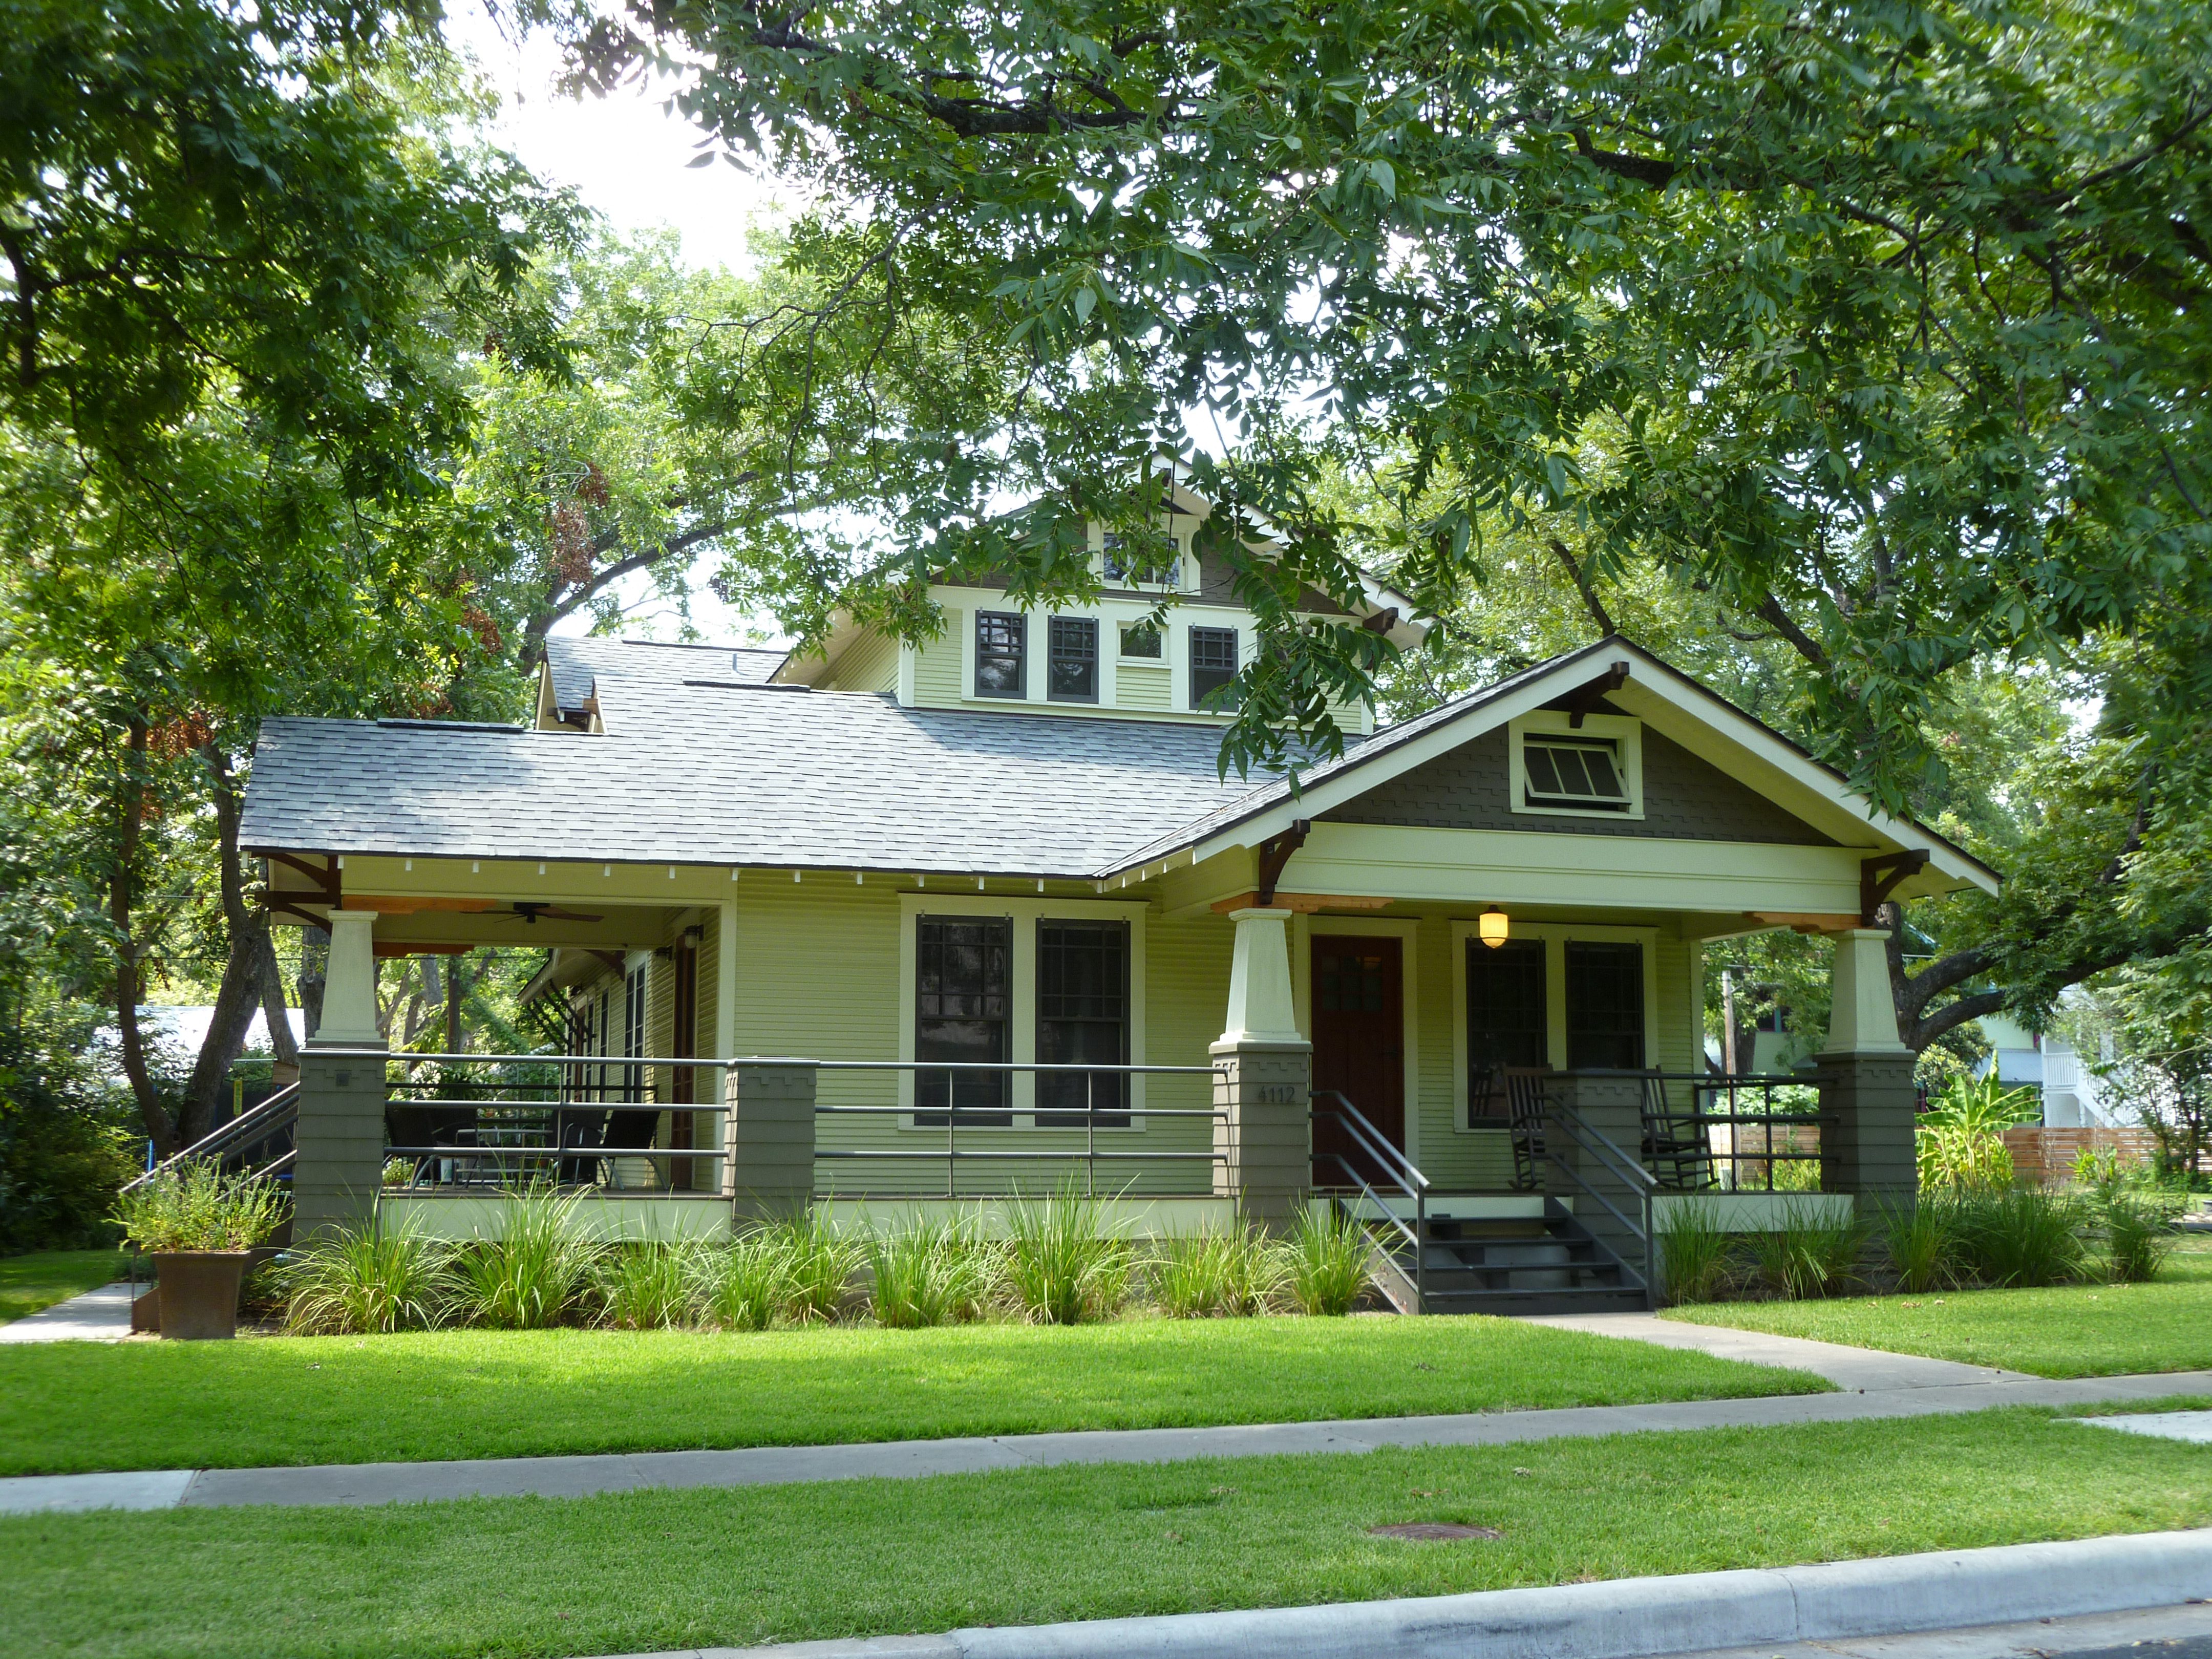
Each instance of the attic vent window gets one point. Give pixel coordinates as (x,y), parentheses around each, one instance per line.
(1581,774)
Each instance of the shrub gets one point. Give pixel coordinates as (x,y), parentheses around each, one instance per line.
(744,1285)
(1922,1241)
(530,1276)
(66,1147)
(2138,1233)
(647,1286)
(1810,1254)
(2023,1236)
(1327,1261)
(192,1206)
(365,1281)
(1062,1266)
(819,1263)
(1958,1142)
(1697,1258)
(1232,1274)
(928,1273)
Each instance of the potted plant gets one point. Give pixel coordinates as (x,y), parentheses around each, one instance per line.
(200,1226)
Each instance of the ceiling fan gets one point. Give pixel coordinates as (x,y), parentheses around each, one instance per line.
(530,910)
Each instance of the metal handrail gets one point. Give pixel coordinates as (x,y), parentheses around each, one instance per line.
(1631,1170)
(1707,1089)
(1399,1167)
(265,1119)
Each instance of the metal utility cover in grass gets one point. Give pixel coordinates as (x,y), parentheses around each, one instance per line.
(1438,1530)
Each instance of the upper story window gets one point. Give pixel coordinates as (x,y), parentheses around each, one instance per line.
(1072,674)
(1128,560)
(1141,639)
(1212,667)
(1001,654)
(1593,770)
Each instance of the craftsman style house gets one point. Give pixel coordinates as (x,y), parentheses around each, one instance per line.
(901,885)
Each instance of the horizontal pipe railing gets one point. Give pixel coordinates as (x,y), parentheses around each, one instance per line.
(270,1117)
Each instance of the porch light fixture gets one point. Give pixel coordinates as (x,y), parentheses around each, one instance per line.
(1491,928)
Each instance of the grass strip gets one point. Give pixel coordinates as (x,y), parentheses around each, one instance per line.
(28,1283)
(70,1407)
(641,1571)
(2073,1330)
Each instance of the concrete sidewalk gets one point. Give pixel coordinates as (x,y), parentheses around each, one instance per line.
(101,1316)
(1868,1370)
(574,1477)
(1760,1614)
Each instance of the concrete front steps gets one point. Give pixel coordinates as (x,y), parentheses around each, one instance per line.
(1546,1263)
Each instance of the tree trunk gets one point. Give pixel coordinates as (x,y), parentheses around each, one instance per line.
(453,1005)
(243,974)
(122,889)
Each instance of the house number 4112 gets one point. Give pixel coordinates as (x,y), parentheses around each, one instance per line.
(1275,1094)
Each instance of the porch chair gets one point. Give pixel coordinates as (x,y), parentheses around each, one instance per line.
(1676,1148)
(1526,1104)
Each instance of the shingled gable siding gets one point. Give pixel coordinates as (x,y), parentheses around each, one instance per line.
(1685,799)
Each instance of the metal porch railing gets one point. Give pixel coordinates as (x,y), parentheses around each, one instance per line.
(1714,1132)
(258,1141)
(1617,1163)
(1396,1170)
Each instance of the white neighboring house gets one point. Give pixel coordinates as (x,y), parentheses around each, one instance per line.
(2074,1097)
(176,1033)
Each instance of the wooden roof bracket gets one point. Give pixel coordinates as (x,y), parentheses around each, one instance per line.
(326,878)
(1275,853)
(1585,698)
(285,906)
(1881,875)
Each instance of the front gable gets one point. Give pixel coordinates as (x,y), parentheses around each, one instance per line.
(1681,797)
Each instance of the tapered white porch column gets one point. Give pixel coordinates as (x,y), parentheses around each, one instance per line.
(338,1168)
(1262,1078)
(1867,1079)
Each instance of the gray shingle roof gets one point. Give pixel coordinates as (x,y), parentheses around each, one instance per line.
(576,665)
(700,774)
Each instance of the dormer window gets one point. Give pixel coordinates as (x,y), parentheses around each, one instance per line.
(1141,639)
(1001,654)
(1072,675)
(1593,768)
(1212,668)
(1135,564)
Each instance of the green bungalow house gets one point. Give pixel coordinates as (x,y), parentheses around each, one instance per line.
(979,914)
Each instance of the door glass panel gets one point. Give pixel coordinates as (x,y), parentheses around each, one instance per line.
(1604,1007)
(964,1004)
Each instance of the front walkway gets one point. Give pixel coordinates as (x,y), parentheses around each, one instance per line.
(101,1316)
(1856,1371)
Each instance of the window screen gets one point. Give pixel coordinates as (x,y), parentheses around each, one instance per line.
(1001,655)
(1604,1007)
(964,1005)
(1505,1019)
(1578,772)
(1072,674)
(1213,666)
(1083,1019)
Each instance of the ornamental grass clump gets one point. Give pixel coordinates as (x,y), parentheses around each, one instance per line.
(532,1275)
(744,1285)
(1696,1258)
(192,1205)
(1218,1273)
(2137,1228)
(928,1272)
(1922,1242)
(1063,1265)
(647,1286)
(1326,1261)
(2024,1236)
(1813,1253)
(366,1281)
(819,1263)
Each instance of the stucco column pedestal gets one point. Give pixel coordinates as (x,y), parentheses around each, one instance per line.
(1263,1079)
(770,1170)
(338,1169)
(1867,1081)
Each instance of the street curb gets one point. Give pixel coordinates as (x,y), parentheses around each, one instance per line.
(1620,1619)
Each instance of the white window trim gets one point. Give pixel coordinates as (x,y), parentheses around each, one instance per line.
(1555,936)
(1025,913)
(1406,931)
(1628,734)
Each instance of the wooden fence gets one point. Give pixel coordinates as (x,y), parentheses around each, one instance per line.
(2044,1154)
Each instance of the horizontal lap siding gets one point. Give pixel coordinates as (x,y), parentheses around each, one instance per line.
(869,664)
(937,665)
(1143,688)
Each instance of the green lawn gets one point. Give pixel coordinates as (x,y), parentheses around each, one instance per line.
(641,1571)
(28,1283)
(2078,1330)
(484,1394)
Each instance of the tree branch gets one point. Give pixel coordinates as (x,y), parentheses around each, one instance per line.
(1591,600)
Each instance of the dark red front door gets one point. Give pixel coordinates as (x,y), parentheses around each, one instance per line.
(1359,1028)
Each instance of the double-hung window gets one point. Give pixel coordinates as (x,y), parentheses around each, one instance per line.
(634,1015)
(1001,654)
(1506,1023)
(1072,674)
(1604,1007)
(1083,1019)
(1212,668)
(963,1011)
